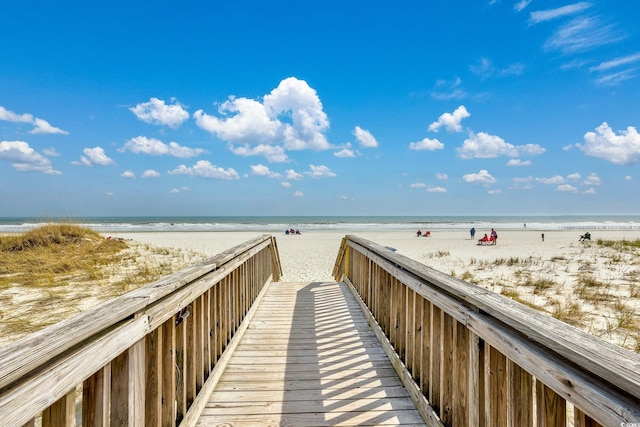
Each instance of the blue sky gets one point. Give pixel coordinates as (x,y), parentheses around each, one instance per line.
(319,108)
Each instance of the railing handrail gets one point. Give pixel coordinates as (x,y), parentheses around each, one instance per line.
(599,358)
(139,311)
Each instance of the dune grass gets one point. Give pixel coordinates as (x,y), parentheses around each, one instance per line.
(57,270)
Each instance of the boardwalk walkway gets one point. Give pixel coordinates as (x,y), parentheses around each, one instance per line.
(309,358)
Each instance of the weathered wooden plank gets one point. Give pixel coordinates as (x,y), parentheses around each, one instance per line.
(551,409)
(519,396)
(96,398)
(372,418)
(153,392)
(23,356)
(582,348)
(447,369)
(326,374)
(169,415)
(17,406)
(460,377)
(62,413)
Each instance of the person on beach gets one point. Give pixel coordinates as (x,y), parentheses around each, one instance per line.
(419,233)
(472,232)
(543,237)
(494,236)
(484,240)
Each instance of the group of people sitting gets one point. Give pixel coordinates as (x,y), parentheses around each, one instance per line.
(292,231)
(426,233)
(491,239)
(585,236)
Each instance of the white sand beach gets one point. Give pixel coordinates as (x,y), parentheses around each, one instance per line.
(590,286)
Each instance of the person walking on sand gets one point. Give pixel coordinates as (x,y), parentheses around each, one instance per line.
(494,236)
(472,232)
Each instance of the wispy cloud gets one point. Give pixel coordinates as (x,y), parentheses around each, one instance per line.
(616,62)
(582,34)
(550,14)
(521,5)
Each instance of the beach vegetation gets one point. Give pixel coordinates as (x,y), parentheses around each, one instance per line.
(63,268)
(467,276)
(619,245)
(568,312)
(540,285)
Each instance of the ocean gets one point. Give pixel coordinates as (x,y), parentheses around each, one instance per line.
(277,224)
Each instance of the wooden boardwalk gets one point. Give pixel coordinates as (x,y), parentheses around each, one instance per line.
(309,358)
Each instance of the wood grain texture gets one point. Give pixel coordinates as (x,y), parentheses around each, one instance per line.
(309,357)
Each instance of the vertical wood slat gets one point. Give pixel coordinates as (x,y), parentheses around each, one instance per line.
(96,398)
(418,323)
(551,409)
(410,323)
(201,340)
(519,396)
(474,380)
(189,356)
(62,413)
(153,392)
(180,366)
(128,386)
(401,349)
(495,387)
(207,366)
(425,358)
(447,369)
(460,375)
(168,373)
(436,358)
(580,419)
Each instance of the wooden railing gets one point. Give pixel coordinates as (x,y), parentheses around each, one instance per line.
(147,358)
(471,357)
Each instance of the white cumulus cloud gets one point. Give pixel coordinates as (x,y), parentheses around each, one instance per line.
(292,175)
(273,153)
(291,115)
(24,158)
(426,144)
(483,145)
(436,190)
(451,121)
(155,147)
(320,171)
(40,126)
(482,177)
(566,188)
(365,138)
(157,112)
(95,157)
(204,169)
(262,170)
(128,174)
(150,173)
(622,148)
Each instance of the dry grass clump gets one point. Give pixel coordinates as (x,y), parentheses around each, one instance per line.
(55,271)
(43,256)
